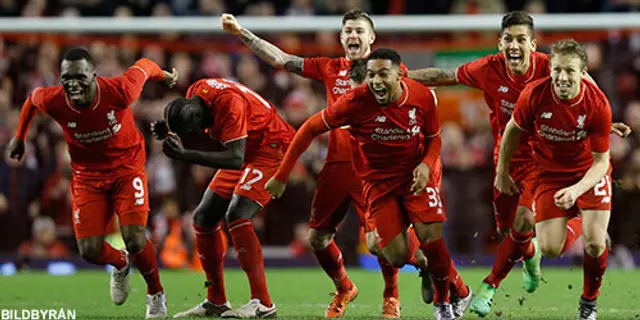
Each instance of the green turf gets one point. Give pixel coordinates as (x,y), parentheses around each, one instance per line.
(304,293)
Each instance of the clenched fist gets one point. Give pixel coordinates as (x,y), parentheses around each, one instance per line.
(229,23)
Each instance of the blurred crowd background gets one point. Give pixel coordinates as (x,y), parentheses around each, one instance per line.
(35,202)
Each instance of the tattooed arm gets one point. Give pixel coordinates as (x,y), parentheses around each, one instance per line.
(434,76)
(263,49)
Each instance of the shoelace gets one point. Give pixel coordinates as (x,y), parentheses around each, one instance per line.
(444,311)
(586,311)
(336,303)
(154,305)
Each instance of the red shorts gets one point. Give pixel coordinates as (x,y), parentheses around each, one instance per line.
(249,181)
(338,185)
(505,206)
(392,206)
(95,200)
(597,198)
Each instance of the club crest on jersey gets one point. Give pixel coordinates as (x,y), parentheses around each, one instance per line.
(412,117)
(113,122)
(581,119)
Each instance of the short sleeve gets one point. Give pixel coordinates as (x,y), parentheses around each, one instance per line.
(473,73)
(314,68)
(600,128)
(38,98)
(431,127)
(229,117)
(340,112)
(523,115)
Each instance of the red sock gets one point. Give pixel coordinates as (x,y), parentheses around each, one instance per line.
(111,256)
(390,275)
(249,254)
(414,245)
(439,267)
(510,250)
(147,263)
(211,251)
(457,287)
(330,259)
(593,269)
(574,231)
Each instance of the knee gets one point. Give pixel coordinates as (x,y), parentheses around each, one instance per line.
(234,215)
(550,250)
(524,221)
(397,260)
(90,250)
(428,232)
(135,240)
(318,241)
(594,249)
(202,219)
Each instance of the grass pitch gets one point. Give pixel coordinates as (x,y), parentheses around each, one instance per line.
(304,294)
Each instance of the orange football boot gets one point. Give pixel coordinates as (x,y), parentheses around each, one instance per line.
(391,308)
(340,301)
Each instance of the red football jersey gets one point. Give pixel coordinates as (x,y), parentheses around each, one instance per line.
(501,90)
(560,128)
(334,73)
(239,113)
(388,140)
(102,138)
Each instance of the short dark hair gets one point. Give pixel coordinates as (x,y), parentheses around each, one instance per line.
(358,71)
(517,18)
(173,114)
(356,14)
(570,47)
(78,53)
(386,54)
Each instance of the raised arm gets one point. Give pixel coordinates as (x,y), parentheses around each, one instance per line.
(434,76)
(132,81)
(263,49)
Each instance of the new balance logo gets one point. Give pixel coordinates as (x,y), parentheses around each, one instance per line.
(342,73)
(139,201)
(503,89)
(606,200)
(546,115)
(381,119)
(71,125)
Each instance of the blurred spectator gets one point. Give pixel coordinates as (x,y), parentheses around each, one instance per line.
(43,243)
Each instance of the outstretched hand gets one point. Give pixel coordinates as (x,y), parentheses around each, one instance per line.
(229,23)
(159,129)
(171,78)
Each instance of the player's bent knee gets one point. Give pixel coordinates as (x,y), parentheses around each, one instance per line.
(241,208)
(319,240)
(550,250)
(594,249)
(428,232)
(90,248)
(134,238)
(524,221)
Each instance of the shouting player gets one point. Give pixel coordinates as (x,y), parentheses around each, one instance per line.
(331,199)
(568,120)
(396,155)
(108,162)
(255,139)
(502,77)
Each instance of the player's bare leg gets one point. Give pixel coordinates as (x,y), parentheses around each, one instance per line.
(551,234)
(595,224)
(391,298)
(144,258)
(330,258)
(433,246)
(247,247)
(518,243)
(97,251)
(207,221)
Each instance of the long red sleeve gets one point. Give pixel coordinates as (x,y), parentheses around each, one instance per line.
(433,151)
(312,128)
(26,117)
(133,80)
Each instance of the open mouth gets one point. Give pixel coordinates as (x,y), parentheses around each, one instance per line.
(75,94)
(353,48)
(564,86)
(380,93)
(514,58)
